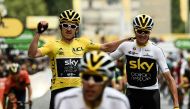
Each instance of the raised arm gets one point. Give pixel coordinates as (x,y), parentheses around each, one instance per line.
(33,48)
(112,46)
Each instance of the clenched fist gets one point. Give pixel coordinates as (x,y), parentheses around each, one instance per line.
(42,26)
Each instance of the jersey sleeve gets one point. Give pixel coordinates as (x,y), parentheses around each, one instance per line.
(90,45)
(46,48)
(161,60)
(118,52)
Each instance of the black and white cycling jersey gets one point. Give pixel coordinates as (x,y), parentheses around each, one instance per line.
(142,64)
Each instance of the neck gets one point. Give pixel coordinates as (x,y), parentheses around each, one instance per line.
(67,40)
(93,104)
(141,44)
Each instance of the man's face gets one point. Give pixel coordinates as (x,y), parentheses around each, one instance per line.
(93,86)
(142,36)
(68,30)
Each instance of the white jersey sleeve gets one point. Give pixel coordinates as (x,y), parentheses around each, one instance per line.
(119,51)
(161,60)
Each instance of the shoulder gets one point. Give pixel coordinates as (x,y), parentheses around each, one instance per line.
(125,45)
(155,46)
(114,94)
(69,94)
(52,42)
(24,73)
(82,39)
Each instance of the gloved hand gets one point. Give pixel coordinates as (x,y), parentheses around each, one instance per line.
(42,26)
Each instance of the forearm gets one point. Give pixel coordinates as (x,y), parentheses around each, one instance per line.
(112,46)
(29,93)
(172,86)
(34,46)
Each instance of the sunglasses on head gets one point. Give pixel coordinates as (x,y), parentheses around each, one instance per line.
(142,31)
(65,25)
(96,78)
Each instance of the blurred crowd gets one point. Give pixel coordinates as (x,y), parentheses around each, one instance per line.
(179,65)
(7,56)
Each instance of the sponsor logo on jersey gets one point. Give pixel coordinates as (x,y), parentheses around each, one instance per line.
(146,50)
(140,65)
(134,48)
(71,62)
(132,52)
(60,51)
(148,55)
(78,50)
(68,67)
(140,76)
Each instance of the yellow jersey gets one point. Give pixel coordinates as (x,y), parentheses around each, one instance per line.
(64,59)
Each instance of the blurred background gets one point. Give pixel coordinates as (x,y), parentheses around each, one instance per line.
(101,21)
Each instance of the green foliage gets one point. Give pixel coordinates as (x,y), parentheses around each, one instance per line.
(55,7)
(22,8)
(178,25)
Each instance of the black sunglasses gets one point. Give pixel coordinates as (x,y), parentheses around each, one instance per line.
(65,25)
(97,78)
(142,31)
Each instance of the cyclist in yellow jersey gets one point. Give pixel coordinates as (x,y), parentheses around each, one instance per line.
(64,54)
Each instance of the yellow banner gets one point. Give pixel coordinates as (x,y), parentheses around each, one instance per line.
(32,21)
(10,27)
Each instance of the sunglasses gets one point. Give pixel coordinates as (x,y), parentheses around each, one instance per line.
(65,25)
(96,78)
(142,31)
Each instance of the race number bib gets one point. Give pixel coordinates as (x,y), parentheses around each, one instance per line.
(68,67)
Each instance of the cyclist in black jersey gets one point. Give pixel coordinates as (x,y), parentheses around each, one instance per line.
(144,60)
(64,54)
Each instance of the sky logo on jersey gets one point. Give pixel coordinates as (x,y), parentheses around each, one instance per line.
(71,62)
(78,50)
(140,65)
(67,67)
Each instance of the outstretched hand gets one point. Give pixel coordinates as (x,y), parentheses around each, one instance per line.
(42,26)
